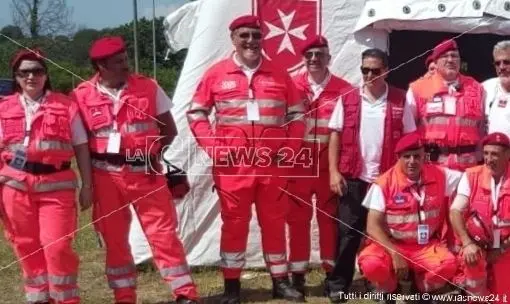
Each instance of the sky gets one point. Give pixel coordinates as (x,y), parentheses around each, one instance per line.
(99,14)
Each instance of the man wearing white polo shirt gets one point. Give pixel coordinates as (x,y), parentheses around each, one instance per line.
(365,125)
(497,91)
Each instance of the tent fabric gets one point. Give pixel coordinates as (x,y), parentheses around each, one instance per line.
(202,28)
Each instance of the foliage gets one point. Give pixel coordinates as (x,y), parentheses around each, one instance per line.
(68,56)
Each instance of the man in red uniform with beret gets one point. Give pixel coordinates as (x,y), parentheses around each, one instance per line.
(449,112)
(323,90)
(128,114)
(258,110)
(406,214)
(480,215)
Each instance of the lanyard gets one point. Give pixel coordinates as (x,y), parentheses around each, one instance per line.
(28,118)
(420,199)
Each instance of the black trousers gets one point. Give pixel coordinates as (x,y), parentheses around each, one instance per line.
(353,220)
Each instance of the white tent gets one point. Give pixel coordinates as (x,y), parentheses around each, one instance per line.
(350,25)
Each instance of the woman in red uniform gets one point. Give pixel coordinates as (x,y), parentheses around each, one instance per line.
(40,132)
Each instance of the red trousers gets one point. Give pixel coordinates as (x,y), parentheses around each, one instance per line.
(41,227)
(153,204)
(237,189)
(300,217)
(483,279)
(432,265)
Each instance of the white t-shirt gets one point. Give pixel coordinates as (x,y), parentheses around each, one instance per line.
(375,198)
(497,106)
(163,102)
(371,135)
(318,88)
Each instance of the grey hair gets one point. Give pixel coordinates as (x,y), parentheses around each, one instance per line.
(502,45)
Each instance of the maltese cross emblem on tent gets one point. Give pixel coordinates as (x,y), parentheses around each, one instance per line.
(286,27)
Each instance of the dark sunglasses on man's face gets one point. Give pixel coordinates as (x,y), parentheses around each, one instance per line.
(24,73)
(499,62)
(375,72)
(309,55)
(254,35)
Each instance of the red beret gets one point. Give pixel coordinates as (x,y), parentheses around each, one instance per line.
(245,21)
(443,47)
(106,47)
(319,41)
(411,141)
(496,138)
(34,54)
(428,61)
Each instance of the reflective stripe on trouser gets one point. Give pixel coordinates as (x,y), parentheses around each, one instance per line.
(236,190)
(47,220)
(300,218)
(475,276)
(431,263)
(153,205)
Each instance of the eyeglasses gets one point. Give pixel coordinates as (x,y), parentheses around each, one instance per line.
(499,62)
(37,72)
(254,35)
(375,72)
(317,54)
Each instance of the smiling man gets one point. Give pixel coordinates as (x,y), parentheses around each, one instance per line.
(406,213)
(497,91)
(480,215)
(257,109)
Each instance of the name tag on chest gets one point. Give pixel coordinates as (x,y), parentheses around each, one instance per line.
(252,111)
(423,234)
(113,143)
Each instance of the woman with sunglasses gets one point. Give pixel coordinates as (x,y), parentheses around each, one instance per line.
(40,133)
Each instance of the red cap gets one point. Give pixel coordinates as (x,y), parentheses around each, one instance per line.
(245,21)
(34,54)
(443,47)
(319,41)
(496,138)
(410,141)
(106,47)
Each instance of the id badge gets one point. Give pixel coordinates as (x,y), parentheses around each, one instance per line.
(434,107)
(496,238)
(19,160)
(252,111)
(113,143)
(423,234)
(450,105)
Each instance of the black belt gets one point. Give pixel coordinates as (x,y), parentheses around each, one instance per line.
(118,159)
(40,168)
(450,150)
(434,151)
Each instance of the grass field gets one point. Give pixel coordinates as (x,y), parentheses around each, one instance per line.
(151,289)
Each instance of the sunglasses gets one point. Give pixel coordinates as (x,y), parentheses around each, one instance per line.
(320,55)
(37,72)
(499,62)
(375,72)
(254,35)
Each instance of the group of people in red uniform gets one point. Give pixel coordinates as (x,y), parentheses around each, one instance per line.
(408,185)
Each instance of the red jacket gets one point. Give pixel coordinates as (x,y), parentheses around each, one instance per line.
(350,154)
(319,112)
(135,120)
(225,87)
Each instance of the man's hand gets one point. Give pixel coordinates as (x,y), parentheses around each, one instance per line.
(337,183)
(400,266)
(85,198)
(471,253)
